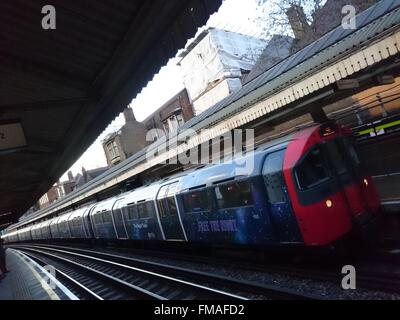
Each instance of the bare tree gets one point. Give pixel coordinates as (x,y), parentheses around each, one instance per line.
(273,18)
(314,17)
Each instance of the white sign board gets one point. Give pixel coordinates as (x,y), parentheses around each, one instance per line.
(11,136)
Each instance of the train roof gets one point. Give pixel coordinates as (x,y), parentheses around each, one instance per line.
(64,217)
(146,193)
(79,212)
(46,223)
(105,205)
(247,165)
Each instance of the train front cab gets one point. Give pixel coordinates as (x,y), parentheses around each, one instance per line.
(330,196)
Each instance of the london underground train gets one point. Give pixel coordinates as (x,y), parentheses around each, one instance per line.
(307,188)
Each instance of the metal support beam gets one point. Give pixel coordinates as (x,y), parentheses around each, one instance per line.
(43,71)
(44,105)
(318,115)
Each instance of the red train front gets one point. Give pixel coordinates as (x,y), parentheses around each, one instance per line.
(329,192)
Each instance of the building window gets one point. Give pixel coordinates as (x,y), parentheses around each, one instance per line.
(179,119)
(173,122)
(113,150)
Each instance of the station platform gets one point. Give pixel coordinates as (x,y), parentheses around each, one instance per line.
(27,280)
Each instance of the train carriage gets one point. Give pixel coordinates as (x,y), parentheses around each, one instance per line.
(307,188)
(102,220)
(78,225)
(64,231)
(55,233)
(227,203)
(45,230)
(25,234)
(34,230)
(140,214)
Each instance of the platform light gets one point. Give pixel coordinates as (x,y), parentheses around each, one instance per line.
(366,182)
(329,203)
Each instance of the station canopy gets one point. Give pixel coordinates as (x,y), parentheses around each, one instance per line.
(60,88)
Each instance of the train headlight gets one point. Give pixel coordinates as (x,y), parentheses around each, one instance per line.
(366,182)
(329,203)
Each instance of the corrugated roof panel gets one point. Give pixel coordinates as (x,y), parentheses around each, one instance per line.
(308,52)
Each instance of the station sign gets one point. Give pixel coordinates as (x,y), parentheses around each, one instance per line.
(11,136)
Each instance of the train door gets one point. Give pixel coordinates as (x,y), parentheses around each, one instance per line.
(88,223)
(119,223)
(280,207)
(168,213)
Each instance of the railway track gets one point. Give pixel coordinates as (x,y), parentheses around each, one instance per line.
(104,276)
(373,279)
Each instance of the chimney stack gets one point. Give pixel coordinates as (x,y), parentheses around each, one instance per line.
(128,115)
(84,175)
(298,21)
(70,176)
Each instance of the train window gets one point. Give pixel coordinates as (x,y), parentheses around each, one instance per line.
(145,210)
(236,194)
(98,218)
(351,151)
(162,208)
(172,206)
(312,170)
(107,217)
(196,201)
(273,177)
(131,212)
(337,158)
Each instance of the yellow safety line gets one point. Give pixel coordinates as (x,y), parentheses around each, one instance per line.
(44,284)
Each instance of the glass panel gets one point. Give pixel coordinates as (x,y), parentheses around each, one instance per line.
(151,209)
(196,201)
(107,217)
(98,218)
(145,210)
(351,151)
(312,171)
(116,150)
(273,177)
(131,212)
(161,208)
(172,206)
(337,158)
(236,194)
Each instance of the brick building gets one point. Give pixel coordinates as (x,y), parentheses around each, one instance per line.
(125,142)
(170,115)
(48,198)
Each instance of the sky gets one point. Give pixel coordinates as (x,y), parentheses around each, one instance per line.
(233,15)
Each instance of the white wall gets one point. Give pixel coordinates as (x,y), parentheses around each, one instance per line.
(218,56)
